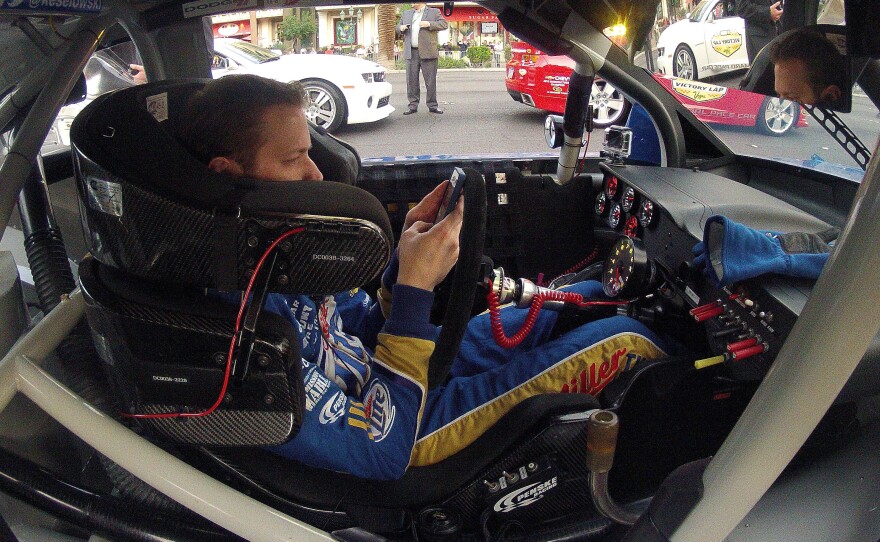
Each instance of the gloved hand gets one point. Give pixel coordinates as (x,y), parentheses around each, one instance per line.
(731,252)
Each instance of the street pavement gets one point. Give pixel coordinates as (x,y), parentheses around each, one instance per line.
(479,117)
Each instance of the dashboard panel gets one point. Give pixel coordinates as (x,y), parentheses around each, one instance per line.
(746,322)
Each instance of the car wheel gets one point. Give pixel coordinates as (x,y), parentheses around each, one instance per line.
(609,105)
(777,116)
(684,64)
(325,107)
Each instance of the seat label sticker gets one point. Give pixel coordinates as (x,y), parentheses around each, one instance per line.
(105,196)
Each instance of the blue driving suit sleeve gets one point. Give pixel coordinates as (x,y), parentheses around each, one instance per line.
(731,252)
(368,429)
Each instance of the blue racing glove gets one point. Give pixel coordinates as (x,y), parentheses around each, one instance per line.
(731,252)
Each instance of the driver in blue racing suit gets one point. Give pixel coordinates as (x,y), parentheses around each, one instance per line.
(368,410)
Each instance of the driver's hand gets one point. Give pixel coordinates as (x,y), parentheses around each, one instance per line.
(428,251)
(424,24)
(426,210)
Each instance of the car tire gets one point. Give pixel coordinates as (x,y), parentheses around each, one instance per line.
(777,116)
(326,106)
(684,64)
(609,105)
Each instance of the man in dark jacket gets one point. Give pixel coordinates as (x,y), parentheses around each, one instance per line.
(419,27)
(762,18)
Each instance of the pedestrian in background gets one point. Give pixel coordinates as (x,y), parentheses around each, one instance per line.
(419,27)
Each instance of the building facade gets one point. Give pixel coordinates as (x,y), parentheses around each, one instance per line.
(353,26)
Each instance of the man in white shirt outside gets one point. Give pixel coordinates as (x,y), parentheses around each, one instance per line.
(419,27)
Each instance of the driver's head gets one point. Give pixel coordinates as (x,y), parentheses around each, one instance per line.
(807,68)
(245,125)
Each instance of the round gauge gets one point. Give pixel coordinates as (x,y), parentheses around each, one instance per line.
(626,271)
(615,215)
(601,204)
(631,228)
(628,199)
(611,187)
(552,134)
(646,213)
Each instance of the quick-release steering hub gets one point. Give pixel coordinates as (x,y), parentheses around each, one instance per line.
(627,271)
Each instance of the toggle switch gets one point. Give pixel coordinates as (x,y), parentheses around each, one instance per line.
(727,332)
(702,308)
(745,353)
(707,314)
(739,345)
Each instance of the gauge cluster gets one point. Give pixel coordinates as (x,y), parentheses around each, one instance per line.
(660,214)
(623,208)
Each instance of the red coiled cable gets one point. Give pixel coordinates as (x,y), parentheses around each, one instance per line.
(551,295)
(232,343)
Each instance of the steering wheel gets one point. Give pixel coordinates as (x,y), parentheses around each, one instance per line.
(465,275)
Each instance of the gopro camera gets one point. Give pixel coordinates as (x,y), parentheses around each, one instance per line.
(618,142)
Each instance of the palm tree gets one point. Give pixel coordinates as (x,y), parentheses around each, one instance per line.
(387,14)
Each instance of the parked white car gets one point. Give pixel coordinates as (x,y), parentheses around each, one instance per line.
(341,89)
(711,41)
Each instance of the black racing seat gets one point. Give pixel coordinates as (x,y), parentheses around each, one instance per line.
(162,228)
(536,422)
(133,319)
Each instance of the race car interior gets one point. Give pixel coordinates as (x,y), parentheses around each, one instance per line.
(564,466)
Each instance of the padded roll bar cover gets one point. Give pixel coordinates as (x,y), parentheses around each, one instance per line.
(152,209)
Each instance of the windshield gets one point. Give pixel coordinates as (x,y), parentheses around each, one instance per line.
(495,91)
(110,69)
(699,9)
(250,53)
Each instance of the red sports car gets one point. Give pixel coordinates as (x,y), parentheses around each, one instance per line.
(541,81)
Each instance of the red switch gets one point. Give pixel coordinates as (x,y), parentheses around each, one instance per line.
(739,345)
(740,355)
(703,308)
(707,314)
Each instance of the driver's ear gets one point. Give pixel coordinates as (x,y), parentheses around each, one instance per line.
(830,95)
(223,164)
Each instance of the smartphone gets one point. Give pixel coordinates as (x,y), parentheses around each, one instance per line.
(453,192)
